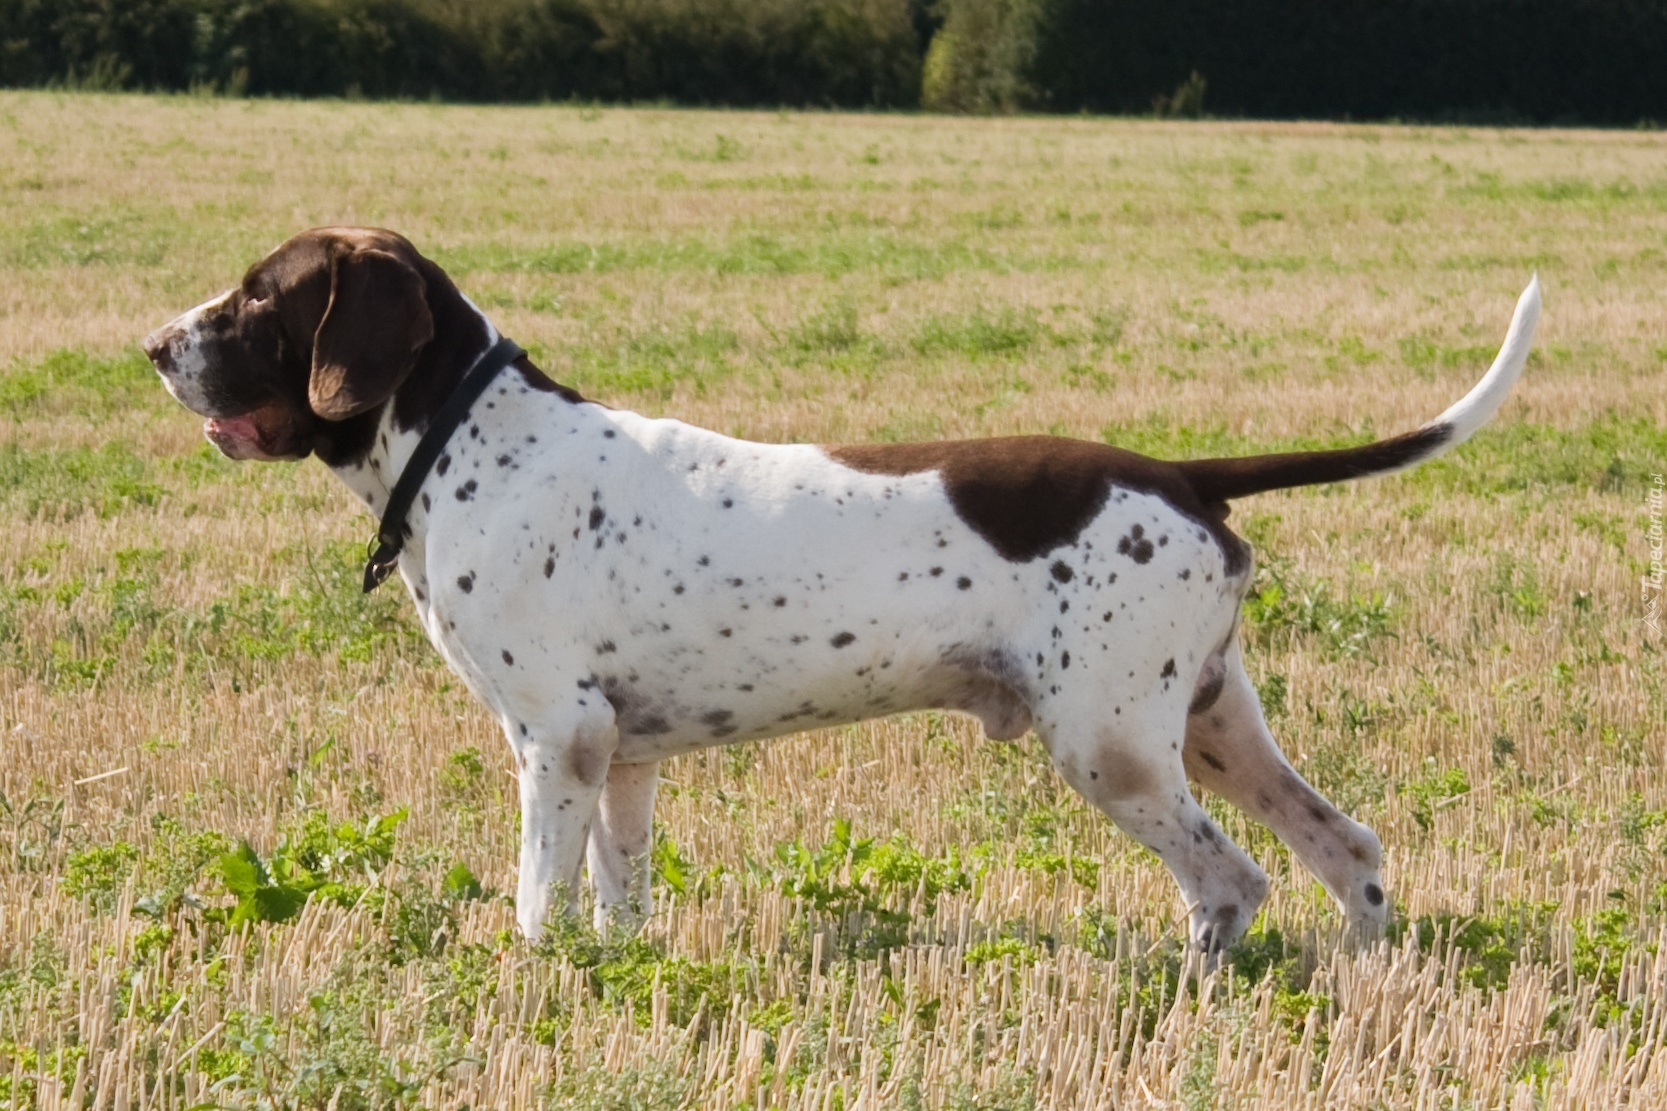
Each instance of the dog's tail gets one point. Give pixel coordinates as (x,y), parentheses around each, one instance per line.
(1218,480)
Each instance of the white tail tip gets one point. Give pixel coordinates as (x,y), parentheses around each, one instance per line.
(1475,408)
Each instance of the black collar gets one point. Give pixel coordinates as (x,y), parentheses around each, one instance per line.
(390,534)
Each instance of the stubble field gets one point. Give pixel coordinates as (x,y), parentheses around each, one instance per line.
(899,914)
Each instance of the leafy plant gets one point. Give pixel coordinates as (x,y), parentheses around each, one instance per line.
(98,873)
(333,862)
(460,884)
(1282,603)
(1435,788)
(626,971)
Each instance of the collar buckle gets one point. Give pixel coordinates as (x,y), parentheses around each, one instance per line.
(381,558)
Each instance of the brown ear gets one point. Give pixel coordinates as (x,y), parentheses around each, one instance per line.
(367,342)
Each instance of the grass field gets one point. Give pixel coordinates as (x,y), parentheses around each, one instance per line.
(896,915)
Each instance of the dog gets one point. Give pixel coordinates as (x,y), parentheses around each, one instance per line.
(620,589)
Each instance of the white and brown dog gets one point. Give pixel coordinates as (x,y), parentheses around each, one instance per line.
(620,589)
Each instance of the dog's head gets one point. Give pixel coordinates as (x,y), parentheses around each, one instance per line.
(318,336)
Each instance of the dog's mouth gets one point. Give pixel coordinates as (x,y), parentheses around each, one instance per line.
(265,434)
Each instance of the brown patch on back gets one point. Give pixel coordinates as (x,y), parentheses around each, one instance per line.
(1027,495)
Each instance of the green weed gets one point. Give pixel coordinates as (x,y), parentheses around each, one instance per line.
(464,773)
(1264,954)
(980,334)
(1250,217)
(653,1086)
(97,874)
(1428,355)
(1282,606)
(624,971)
(173,863)
(1517,584)
(995,950)
(1340,772)
(1601,943)
(24,1063)
(1014,1089)
(835,332)
(1490,946)
(1434,788)
(1272,693)
(328,860)
(325,1056)
(863,887)
(66,482)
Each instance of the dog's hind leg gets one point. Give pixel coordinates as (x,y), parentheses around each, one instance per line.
(1230,751)
(562,756)
(1131,770)
(620,840)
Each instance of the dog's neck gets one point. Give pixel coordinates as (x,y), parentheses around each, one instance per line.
(372,477)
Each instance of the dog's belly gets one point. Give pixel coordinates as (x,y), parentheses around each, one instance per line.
(663,712)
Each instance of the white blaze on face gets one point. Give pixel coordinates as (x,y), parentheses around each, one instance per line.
(177,350)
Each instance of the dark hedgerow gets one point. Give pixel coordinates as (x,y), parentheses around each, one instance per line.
(1489,60)
(855,53)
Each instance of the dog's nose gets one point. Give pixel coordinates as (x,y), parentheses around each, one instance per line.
(159,349)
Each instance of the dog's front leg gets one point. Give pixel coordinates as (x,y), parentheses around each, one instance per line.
(620,840)
(562,758)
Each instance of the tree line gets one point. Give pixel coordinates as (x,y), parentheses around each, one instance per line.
(1547,61)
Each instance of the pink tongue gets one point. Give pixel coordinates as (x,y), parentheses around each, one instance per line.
(236,437)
